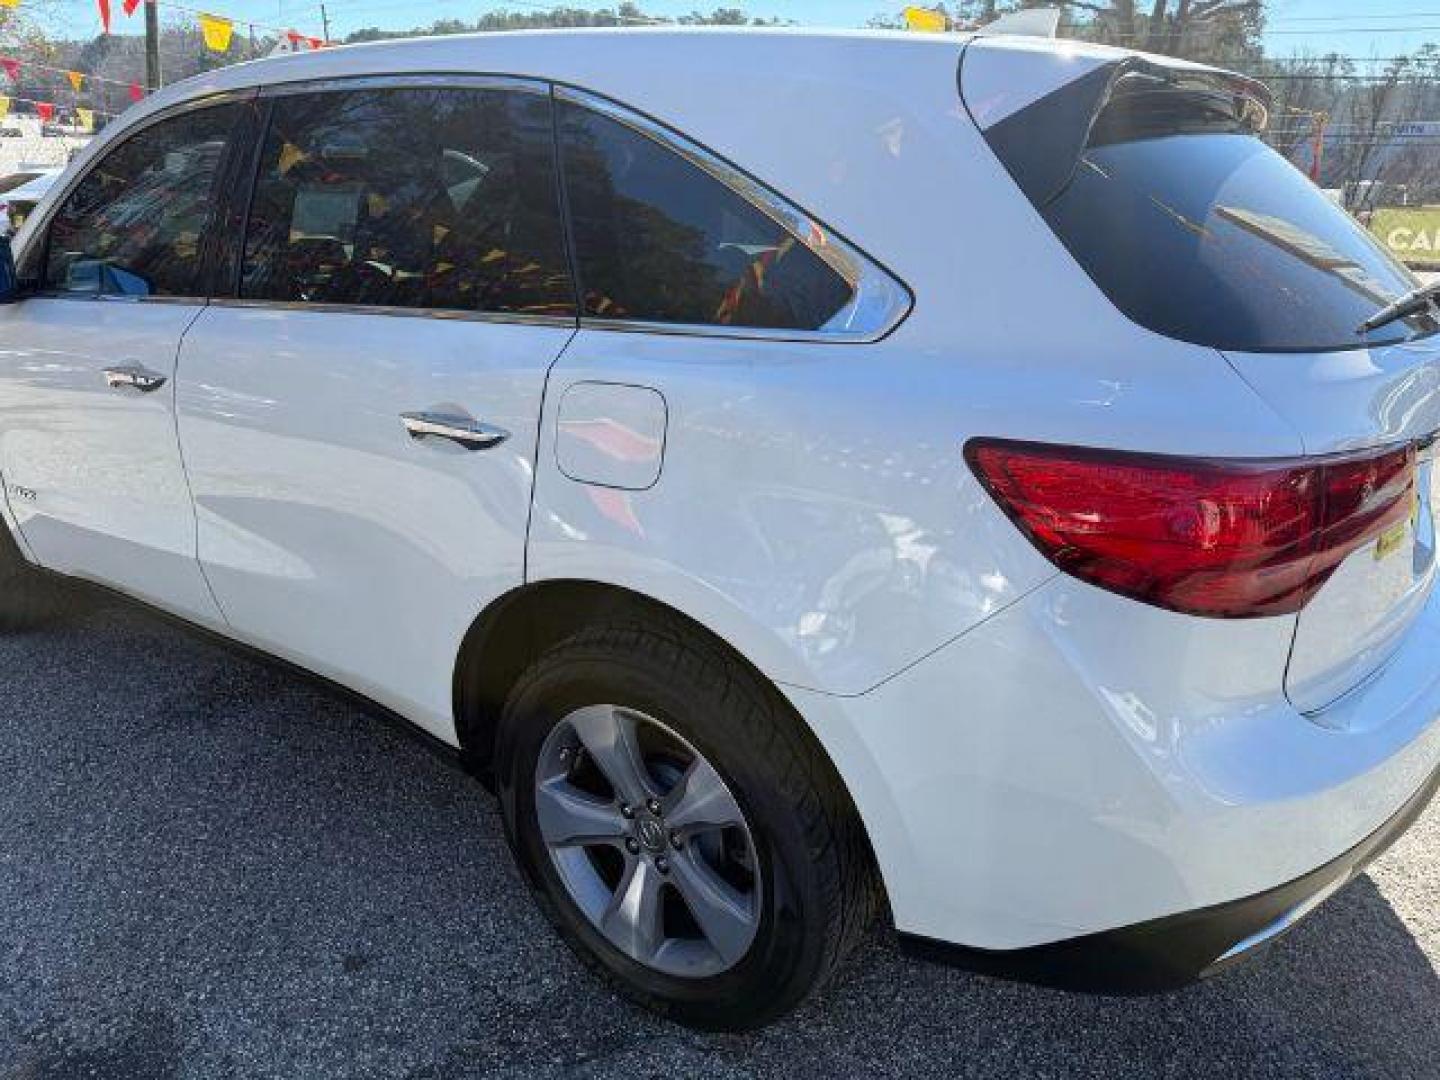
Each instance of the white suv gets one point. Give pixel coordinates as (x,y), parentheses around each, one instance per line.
(817,478)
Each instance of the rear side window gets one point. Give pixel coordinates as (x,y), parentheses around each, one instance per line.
(1196,229)
(442,199)
(136,224)
(657,239)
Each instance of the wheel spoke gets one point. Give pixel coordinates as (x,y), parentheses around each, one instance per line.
(701,801)
(570,818)
(609,737)
(633,918)
(726,916)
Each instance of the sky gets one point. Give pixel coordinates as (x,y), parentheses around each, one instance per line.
(1363,28)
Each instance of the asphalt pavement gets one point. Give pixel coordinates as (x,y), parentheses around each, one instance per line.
(212,868)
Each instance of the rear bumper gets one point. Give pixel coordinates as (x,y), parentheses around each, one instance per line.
(1167,953)
(1081,765)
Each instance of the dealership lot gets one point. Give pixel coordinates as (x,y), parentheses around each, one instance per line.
(211,867)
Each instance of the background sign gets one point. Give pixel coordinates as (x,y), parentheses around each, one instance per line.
(1412,233)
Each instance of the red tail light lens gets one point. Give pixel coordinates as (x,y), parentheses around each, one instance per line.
(1226,539)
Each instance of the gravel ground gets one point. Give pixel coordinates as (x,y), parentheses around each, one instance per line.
(212,868)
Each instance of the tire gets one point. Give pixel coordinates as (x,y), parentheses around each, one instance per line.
(800,875)
(27,597)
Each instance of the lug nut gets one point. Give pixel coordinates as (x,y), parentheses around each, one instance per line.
(653,806)
(632,845)
(626,810)
(566,755)
(662,864)
(677,841)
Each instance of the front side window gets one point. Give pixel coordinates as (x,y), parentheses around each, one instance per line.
(441,198)
(136,224)
(658,239)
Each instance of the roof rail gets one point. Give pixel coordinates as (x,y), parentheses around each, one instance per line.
(1031,22)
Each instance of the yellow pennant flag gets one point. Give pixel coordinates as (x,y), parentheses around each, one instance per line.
(217,32)
(918,18)
(87,118)
(77,80)
(4,107)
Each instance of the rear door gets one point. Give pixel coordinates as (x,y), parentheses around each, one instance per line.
(359,422)
(87,433)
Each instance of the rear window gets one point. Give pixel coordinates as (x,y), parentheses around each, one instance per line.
(1195,229)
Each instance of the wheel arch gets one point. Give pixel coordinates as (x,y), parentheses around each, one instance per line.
(515,629)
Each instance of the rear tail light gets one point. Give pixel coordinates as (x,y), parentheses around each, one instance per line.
(1226,539)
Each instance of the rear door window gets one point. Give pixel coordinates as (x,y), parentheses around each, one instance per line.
(657,239)
(442,199)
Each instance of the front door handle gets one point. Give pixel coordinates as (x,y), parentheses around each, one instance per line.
(469,433)
(134,376)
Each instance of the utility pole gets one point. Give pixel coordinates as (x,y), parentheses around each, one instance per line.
(325,23)
(152,47)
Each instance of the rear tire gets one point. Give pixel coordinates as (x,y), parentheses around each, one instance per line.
(796,865)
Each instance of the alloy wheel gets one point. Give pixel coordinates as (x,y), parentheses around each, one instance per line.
(648,840)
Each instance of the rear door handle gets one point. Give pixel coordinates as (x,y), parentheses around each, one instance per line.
(135,376)
(469,433)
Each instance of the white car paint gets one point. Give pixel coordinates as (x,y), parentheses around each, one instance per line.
(1032,758)
(327,532)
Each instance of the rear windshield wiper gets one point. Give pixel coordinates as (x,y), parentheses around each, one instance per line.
(1414,302)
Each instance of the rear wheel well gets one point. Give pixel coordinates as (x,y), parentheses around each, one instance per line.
(516,630)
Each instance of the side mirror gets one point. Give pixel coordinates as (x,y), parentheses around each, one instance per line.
(9,279)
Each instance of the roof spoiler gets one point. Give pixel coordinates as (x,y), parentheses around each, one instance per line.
(1031,22)
(1041,144)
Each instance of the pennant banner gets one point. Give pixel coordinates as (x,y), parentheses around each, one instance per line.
(86,118)
(129,6)
(104,14)
(918,18)
(136,93)
(217,31)
(45,110)
(77,80)
(12,68)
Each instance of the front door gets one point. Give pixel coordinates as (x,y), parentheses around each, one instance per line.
(88,446)
(359,424)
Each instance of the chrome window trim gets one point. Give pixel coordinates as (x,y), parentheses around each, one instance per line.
(117,298)
(438,80)
(879,301)
(566,322)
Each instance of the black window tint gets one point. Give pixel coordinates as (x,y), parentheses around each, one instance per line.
(136,223)
(658,239)
(423,198)
(1213,238)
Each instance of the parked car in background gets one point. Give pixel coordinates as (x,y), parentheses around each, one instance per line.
(972,483)
(10,181)
(17,202)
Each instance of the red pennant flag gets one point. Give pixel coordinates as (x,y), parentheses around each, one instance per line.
(129,6)
(135,92)
(45,110)
(315,42)
(12,68)
(104,14)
